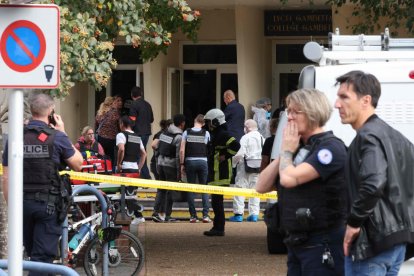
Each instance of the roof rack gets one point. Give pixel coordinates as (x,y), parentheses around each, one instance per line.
(346,49)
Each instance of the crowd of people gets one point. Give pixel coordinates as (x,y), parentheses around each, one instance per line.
(342,211)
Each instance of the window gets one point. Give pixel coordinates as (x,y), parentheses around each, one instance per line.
(126,54)
(209,54)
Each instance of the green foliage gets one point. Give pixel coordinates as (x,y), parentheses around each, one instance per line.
(89,30)
(396,13)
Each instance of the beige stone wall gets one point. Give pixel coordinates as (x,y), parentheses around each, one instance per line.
(73,110)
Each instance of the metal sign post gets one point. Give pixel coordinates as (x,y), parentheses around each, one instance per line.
(15,248)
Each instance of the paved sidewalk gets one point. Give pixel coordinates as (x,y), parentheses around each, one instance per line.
(180,248)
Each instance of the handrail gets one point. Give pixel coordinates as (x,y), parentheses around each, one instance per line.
(41,267)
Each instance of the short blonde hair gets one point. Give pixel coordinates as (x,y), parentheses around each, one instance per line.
(313,103)
(199,119)
(85,130)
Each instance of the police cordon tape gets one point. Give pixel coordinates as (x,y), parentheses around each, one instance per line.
(167,185)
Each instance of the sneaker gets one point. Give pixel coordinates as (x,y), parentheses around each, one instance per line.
(206,219)
(137,221)
(252,218)
(213,232)
(193,219)
(236,218)
(170,219)
(157,218)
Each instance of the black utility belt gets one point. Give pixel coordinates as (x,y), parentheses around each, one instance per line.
(39,196)
(317,232)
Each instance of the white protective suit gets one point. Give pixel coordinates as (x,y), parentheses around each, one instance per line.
(260,116)
(250,147)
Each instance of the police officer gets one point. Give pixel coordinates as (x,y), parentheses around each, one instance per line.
(223,148)
(193,162)
(311,187)
(131,151)
(168,167)
(46,147)
(130,157)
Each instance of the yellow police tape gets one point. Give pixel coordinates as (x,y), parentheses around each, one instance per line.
(177,186)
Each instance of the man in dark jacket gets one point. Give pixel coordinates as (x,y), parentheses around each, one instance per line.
(234,115)
(141,113)
(380,178)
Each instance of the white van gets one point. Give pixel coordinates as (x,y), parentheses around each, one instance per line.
(392,64)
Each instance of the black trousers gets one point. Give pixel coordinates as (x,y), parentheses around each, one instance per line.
(218,209)
(41,232)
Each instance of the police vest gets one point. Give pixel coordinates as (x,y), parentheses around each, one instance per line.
(40,171)
(326,200)
(83,147)
(132,147)
(166,146)
(195,145)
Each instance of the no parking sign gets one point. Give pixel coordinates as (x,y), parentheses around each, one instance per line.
(29,46)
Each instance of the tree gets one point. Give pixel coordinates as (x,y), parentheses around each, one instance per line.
(89,30)
(394,13)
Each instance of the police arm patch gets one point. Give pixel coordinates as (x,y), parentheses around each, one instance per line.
(325,156)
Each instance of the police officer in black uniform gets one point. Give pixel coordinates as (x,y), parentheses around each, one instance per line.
(168,167)
(46,149)
(309,177)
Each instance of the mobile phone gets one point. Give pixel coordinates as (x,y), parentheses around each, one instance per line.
(52,118)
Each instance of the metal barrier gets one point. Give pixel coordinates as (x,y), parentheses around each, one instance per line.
(41,267)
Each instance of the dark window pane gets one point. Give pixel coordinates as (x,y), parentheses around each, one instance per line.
(290,54)
(209,54)
(199,93)
(126,54)
(288,83)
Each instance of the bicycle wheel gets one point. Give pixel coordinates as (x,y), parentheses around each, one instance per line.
(126,256)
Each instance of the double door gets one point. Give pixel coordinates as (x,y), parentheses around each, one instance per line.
(195,91)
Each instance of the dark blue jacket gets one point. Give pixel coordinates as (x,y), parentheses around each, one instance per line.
(235,115)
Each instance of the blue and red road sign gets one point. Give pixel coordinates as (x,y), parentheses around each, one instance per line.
(22,46)
(29,46)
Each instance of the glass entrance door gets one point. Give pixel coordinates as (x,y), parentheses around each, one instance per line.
(227,80)
(122,80)
(288,62)
(199,93)
(196,91)
(286,81)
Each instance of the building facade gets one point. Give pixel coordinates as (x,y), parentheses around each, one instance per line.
(253,47)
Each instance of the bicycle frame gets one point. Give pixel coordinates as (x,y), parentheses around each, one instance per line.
(104,224)
(96,219)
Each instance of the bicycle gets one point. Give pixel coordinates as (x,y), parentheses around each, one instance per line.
(125,252)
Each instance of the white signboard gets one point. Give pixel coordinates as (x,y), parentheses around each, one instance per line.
(29,46)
